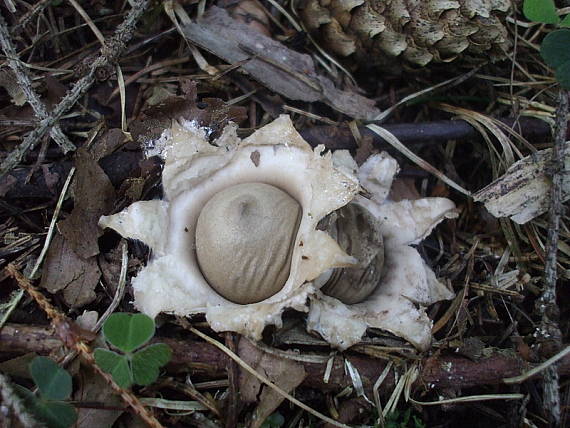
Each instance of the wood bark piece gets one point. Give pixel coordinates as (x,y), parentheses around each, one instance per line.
(279,68)
(449,371)
(523,192)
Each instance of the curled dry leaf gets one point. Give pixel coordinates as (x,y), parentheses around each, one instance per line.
(236,237)
(522,193)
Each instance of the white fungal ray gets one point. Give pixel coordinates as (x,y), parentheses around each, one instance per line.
(194,171)
(407,285)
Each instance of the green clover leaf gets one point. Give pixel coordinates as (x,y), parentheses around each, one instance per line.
(147,361)
(563,75)
(53,382)
(555,48)
(128,332)
(116,365)
(541,11)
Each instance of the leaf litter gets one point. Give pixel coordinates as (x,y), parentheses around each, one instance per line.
(496,284)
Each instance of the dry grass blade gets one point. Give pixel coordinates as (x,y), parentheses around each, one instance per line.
(89,22)
(121,83)
(470,399)
(493,126)
(375,389)
(175,11)
(394,142)
(539,368)
(446,84)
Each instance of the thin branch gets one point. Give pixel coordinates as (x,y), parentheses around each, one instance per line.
(109,54)
(26,84)
(440,372)
(549,331)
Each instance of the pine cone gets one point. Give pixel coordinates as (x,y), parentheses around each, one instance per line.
(384,32)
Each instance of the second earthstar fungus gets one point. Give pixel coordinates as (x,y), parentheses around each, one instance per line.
(238,236)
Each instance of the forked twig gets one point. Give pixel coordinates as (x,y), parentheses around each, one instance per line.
(109,54)
(26,85)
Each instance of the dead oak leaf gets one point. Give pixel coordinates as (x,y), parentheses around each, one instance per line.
(65,270)
(93,196)
(283,372)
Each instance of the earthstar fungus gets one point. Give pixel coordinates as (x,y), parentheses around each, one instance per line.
(406,285)
(237,237)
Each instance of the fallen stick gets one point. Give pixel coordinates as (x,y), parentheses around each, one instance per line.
(120,165)
(445,371)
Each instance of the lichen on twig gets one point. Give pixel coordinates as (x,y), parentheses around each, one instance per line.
(549,330)
(109,54)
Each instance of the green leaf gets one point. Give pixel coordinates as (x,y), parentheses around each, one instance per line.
(128,332)
(563,75)
(55,414)
(53,382)
(147,361)
(275,420)
(555,48)
(116,365)
(541,11)
(566,21)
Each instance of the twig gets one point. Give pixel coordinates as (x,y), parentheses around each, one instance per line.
(443,371)
(72,340)
(26,84)
(24,20)
(233,390)
(397,144)
(109,54)
(546,306)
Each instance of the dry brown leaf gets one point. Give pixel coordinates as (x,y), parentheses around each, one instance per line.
(209,112)
(94,196)
(65,270)
(285,373)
